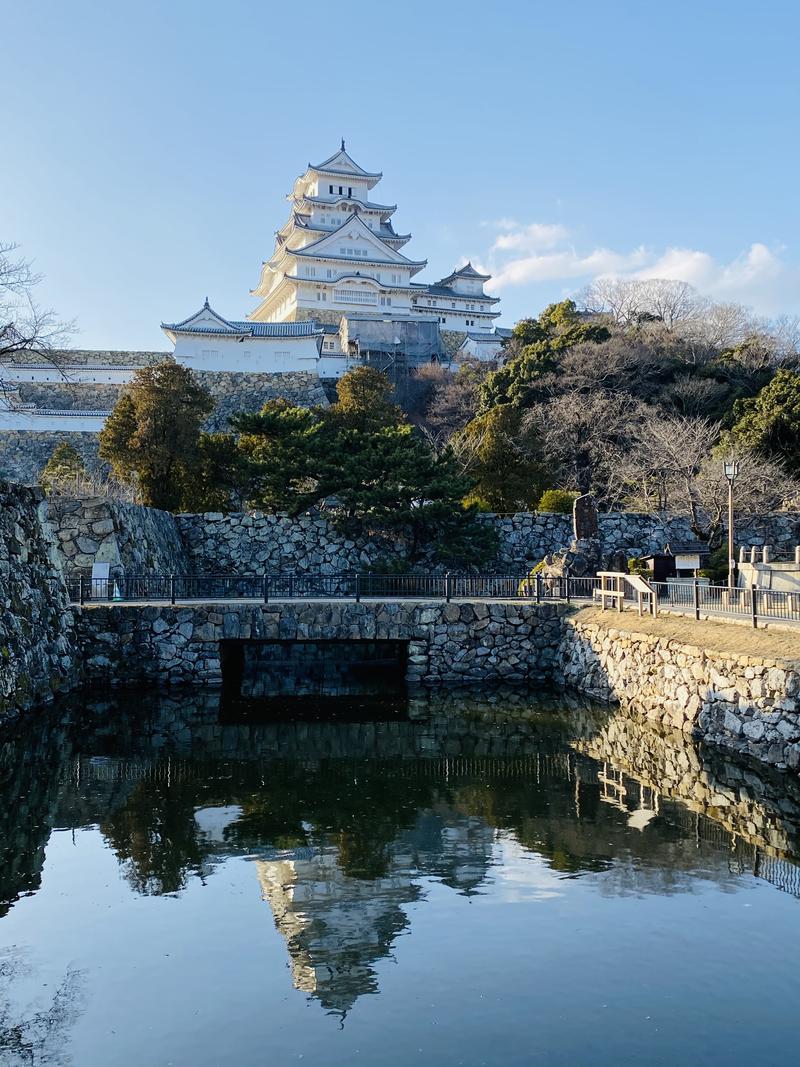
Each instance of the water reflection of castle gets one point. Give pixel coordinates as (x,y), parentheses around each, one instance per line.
(338,926)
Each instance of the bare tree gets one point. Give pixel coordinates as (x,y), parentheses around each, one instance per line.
(670,463)
(26,328)
(577,428)
(674,305)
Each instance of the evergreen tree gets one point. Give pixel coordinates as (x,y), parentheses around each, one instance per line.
(363,401)
(64,466)
(503,458)
(769,423)
(153,432)
(361,453)
(533,352)
(281,445)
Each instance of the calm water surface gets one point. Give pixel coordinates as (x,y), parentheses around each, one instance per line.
(392,884)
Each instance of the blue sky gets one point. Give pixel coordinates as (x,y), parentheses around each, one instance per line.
(148,147)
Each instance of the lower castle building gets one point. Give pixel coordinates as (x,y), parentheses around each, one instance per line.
(337,292)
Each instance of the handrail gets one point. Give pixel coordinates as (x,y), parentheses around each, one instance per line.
(688,597)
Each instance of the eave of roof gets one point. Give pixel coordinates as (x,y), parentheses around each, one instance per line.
(240,328)
(366,205)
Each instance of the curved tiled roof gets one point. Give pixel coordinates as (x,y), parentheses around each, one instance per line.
(240,327)
(307,328)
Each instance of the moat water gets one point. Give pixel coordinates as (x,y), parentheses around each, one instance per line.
(467,880)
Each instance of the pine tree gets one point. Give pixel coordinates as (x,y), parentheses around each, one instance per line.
(65,466)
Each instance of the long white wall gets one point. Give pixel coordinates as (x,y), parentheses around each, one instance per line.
(45,421)
(80,374)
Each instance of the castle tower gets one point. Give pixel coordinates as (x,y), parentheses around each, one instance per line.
(339,254)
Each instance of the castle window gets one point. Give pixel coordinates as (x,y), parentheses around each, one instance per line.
(330,188)
(349,190)
(340,190)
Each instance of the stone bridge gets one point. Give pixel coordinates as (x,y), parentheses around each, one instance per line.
(434,642)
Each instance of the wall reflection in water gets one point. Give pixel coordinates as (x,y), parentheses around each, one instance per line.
(347,822)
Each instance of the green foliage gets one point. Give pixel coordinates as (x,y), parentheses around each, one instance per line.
(503,459)
(361,453)
(534,352)
(282,444)
(769,423)
(363,401)
(153,432)
(65,465)
(558,501)
(219,476)
(717,566)
(638,566)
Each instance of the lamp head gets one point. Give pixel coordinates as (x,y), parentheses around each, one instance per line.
(731,468)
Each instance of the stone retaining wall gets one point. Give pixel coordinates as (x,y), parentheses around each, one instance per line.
(234,392)
(746,703)
(36,649)
(133,539)
(254,543)
(23,453)
(466,642)
(246,543)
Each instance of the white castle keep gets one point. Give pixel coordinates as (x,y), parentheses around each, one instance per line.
(336,292)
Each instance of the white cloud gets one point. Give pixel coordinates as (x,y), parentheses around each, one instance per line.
(532,238)
(760,277)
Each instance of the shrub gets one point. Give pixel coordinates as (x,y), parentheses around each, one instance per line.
(559,501)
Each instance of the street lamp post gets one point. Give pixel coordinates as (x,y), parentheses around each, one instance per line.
(731,468)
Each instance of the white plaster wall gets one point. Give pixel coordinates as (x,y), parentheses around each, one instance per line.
(261,355)
(78,422)
(101,375)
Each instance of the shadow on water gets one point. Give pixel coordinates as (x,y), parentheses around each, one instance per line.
(347,807)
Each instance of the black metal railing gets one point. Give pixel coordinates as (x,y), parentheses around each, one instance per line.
(266,587)
(688,597)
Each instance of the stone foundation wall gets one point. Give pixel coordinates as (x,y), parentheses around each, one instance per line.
(36,646)
(745,703)
(23,453)
(257,543)
(234,393)
(133,539)
(447,643)
(81,396)
(251,543)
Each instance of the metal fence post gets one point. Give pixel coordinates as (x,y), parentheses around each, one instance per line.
(265,588)
(358,588)
(566,588)
(754,604)
(81,589)
(696,594)
(538,588)
(447,587)
(172,588)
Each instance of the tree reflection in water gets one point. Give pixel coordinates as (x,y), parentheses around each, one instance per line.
(37,1035)
(346,821)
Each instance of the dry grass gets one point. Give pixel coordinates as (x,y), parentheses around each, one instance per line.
(733,638)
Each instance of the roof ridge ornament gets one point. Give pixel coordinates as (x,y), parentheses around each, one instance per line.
(343,144)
